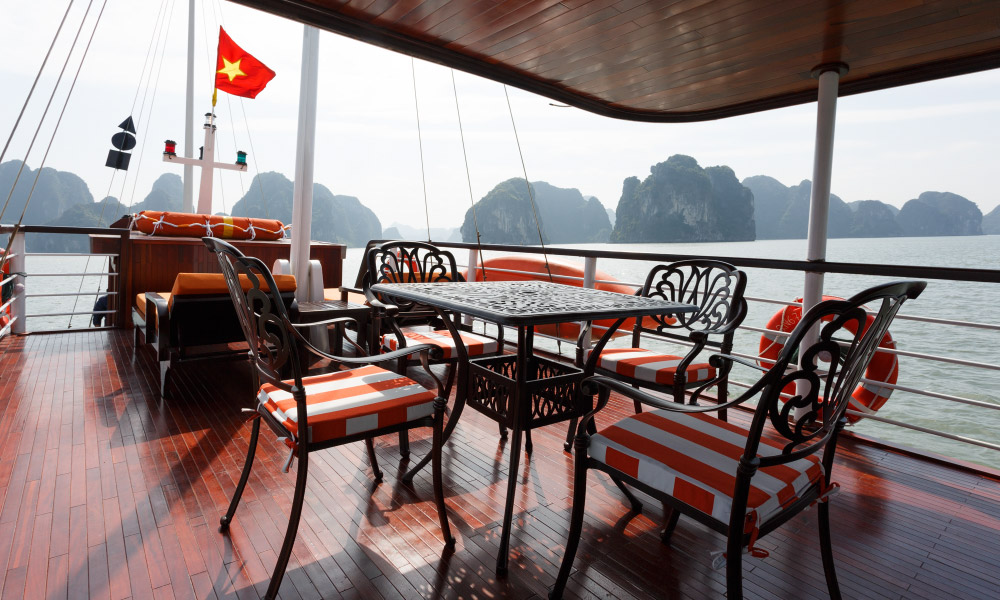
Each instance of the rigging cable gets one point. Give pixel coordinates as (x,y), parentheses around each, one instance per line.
(156,85)
(468,178)
(420,144)
(531,198)
(153,40)
(30,92)
(27,200)
(208,59)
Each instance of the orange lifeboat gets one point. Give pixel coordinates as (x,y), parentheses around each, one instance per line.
(529,268)
(154,222)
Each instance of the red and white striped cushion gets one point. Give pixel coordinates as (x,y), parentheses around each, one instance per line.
(693,457)
(653,367)
(475,345)
(348,402)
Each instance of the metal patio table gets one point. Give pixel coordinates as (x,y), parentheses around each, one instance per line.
(523,391)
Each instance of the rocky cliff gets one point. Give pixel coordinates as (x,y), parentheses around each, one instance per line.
(940,213)
(505,216)
(335,218)
(783,213)
(681,202)
(991,222)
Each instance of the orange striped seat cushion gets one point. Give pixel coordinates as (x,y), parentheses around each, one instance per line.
(653,367)
(693,457)
(476,345)
(349,402)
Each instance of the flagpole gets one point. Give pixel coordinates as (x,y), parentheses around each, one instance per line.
(302,196)
(188,205)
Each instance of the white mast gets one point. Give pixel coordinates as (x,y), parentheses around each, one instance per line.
(304,162)
(189,116)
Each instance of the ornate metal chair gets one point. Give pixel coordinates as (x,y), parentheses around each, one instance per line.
(740,481)
(320,411)
(403,323)
(716,288)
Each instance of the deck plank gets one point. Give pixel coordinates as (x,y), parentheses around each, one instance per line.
(107,491)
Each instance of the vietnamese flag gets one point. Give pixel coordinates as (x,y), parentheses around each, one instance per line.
(237,72)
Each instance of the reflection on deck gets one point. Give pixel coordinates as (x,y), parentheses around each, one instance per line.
(108,492)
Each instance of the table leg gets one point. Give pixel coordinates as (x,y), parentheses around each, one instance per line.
(508,511)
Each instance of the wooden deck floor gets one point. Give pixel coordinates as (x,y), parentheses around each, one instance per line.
(109,492)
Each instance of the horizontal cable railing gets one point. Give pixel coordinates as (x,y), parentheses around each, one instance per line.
(909,272)
(45,301)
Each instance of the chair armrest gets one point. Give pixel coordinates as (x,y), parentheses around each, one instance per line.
(593,384)
(161,324)
(389,310)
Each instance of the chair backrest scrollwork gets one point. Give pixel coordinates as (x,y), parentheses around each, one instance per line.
(410,262)
(831,367)
(262,314)
(715,287)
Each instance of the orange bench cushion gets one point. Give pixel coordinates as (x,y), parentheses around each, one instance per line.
(349,402)
(192,284)
(215,283)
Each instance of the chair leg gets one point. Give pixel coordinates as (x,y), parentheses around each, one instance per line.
(164,373)
(668,531)
(632,500)
(503,431)
(404,443)
(370,445)
(734,565)
(293,524)
(575,521)
(438,442)
(570,434)
(826,547)
(244,477)
(450,382)
(528,446)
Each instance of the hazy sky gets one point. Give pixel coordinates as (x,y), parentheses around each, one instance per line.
(891,145)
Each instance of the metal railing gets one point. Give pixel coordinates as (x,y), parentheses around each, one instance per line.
(110,284)
(988,407)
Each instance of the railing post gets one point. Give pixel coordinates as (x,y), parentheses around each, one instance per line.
(17,265)
(472,273)
(589,276)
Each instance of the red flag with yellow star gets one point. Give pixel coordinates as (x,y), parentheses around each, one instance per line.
(237,72)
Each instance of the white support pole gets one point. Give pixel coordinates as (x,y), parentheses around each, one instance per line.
(189,115)
(589,277)
(304,162)
(207,172)
(17,265)
(819,203)
(473,274)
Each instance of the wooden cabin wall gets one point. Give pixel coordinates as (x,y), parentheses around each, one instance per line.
(150,264)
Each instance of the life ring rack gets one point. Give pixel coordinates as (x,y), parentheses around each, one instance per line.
(884,366)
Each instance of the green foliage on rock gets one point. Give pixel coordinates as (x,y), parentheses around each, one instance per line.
(505,216)
(991,222)
(940,213)
(335,218)
(681,202)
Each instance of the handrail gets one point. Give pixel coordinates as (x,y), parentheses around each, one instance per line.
(113,289)
(117,231)
(902,271)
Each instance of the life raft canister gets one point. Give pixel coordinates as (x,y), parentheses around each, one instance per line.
(884,366)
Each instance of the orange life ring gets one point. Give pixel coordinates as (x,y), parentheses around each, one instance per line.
(154,222)
(884,366)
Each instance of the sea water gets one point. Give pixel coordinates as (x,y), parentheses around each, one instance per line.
(962,301)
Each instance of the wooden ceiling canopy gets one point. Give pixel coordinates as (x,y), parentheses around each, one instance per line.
(674,61)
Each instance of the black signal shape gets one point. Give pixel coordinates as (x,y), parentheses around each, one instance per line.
(123,141)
